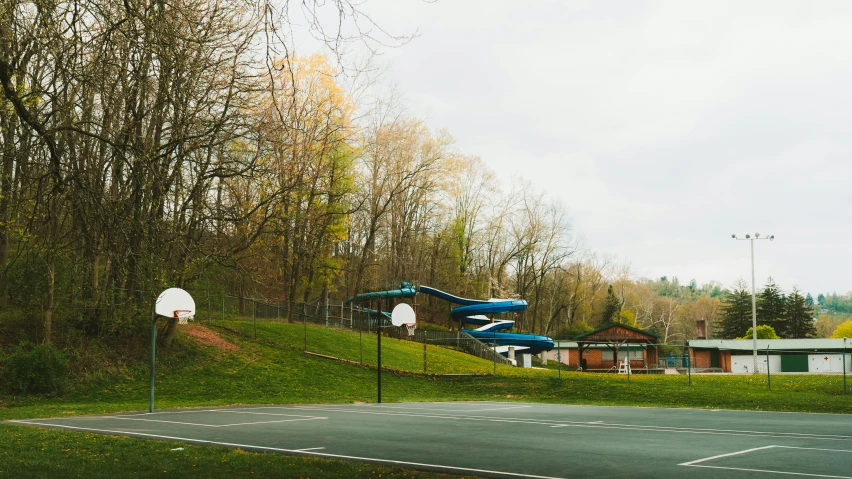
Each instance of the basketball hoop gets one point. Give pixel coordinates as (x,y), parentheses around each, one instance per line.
(411,327)
(183,315)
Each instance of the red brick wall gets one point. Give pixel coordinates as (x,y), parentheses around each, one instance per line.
(569,356)
(701,359)
(594,359)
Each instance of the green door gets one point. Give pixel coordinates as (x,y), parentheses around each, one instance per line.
(794,363)
(714,358)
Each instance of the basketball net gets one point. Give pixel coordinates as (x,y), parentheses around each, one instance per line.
(183,315)
(411,327)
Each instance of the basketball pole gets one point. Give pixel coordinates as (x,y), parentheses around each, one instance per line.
(153,355)
(379,330)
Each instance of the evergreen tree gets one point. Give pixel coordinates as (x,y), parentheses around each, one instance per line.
(821,299)
(612,307)
(770,308)
(799,317)
(809,301)
(736,313)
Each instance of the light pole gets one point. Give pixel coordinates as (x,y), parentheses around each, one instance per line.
(753,297)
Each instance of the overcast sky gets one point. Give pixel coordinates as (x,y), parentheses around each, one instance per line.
(663,126)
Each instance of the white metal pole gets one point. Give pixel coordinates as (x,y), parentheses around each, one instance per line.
(753,311)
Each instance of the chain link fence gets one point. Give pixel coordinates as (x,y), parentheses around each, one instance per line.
(337,316)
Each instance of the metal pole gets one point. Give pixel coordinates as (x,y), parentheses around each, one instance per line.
(559,363)
(628,363)
(379,356)
(753,311)
(254,316)
(424,351)
(844,365)
(768,376)
(305,324)
(688,365)
(360,342)
(494,350)
(153,356)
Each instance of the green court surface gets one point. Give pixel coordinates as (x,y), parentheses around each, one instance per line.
(496,439)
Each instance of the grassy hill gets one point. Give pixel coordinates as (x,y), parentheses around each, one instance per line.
(221,363)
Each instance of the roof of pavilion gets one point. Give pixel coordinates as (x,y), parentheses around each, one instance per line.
(618,333)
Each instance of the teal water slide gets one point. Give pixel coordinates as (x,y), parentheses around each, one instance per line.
(405,291)
(474,311)
(470,311)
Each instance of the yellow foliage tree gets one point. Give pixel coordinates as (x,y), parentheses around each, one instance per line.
(843,331)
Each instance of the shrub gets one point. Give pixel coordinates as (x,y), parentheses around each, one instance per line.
(40,369)
(764,331)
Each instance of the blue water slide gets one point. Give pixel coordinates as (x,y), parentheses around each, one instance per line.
(527,343)
(473,311)
(470,308)
(487,325)
(405,290)
(449,297)
(374,312)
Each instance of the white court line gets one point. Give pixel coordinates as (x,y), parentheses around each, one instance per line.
(296,451)
(813,449)
(447,410)
(746,451)
(712,432)
(310,449)
(767,435)
(169,412)
(737,453)
(259,413)
(556,423)
(303,418)
(786,473)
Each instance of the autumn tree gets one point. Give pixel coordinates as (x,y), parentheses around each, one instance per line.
(844,330)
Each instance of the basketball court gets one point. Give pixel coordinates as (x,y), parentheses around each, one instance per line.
(497,439)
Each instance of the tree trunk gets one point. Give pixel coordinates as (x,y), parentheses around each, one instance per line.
(48,310)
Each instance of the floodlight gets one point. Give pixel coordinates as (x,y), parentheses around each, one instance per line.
(771,237)
(734,236)
(757,235)
(748,236)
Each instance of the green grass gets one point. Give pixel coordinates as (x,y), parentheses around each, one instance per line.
(43,453)
(274,370)
(362,348)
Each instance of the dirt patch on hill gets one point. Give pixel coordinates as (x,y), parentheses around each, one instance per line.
(208,337)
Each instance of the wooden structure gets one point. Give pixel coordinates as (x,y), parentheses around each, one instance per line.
(599,349)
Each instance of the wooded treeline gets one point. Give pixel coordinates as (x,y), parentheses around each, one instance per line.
(153,143)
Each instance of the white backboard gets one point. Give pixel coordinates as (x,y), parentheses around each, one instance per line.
(174,299)
(402,314)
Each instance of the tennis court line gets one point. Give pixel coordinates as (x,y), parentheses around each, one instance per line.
(786,473)
(238,411)
(293,451)
(718,432)
(557,423)
(212,425)
(439,410)
(697,462)
(737,453)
